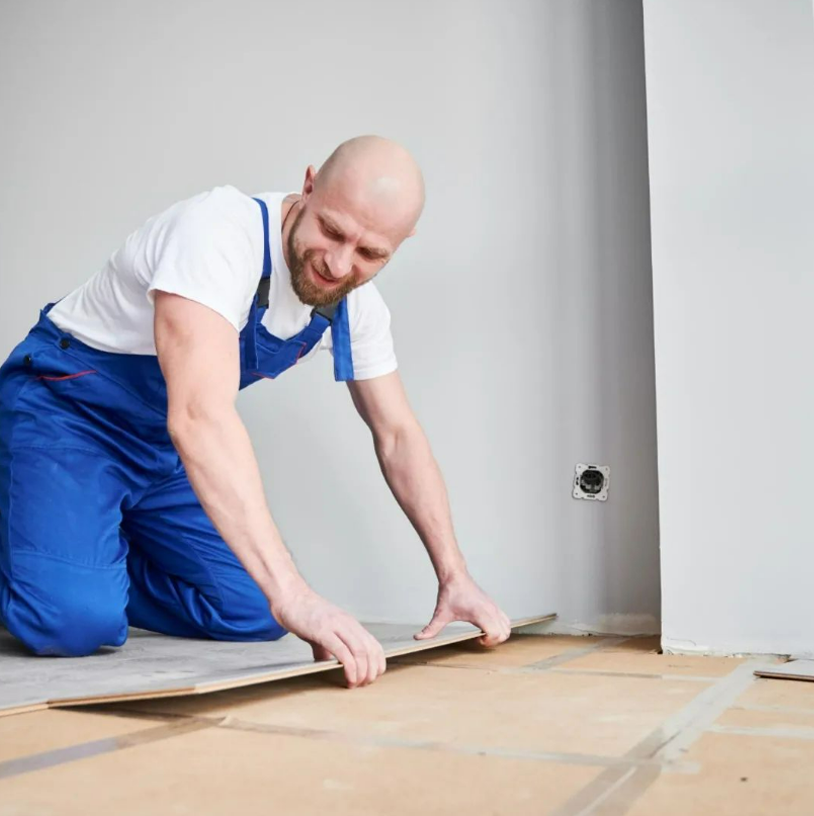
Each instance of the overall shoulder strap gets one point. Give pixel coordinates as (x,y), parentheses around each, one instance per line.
(335,316)
(340,335)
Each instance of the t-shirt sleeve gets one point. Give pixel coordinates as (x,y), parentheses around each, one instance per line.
(202,250)
(371,340)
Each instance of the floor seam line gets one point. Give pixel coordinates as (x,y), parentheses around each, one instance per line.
(237,724)
(84,750)
(756,731)
(592,760)
(666,742)
(530,668)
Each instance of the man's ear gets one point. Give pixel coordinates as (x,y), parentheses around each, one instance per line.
(308,184)
(412,233)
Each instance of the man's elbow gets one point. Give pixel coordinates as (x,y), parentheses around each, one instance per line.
(391,440)
(191,421)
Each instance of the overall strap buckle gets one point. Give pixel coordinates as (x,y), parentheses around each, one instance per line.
(325,311)
(263,292)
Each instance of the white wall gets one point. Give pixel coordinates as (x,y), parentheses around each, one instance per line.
(522,309)
(730,85)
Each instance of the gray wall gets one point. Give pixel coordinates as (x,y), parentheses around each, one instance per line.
(730,85)
(522,309)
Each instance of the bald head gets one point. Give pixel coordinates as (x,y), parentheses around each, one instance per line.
(378,173)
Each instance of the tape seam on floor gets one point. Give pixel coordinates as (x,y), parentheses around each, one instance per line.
(692,678)
(399,742)
(615,790)
(541,665)
(769,731)
(84,750)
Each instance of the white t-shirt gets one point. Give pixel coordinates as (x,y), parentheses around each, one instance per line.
(209,248)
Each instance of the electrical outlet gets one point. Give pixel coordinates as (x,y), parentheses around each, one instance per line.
(592,482)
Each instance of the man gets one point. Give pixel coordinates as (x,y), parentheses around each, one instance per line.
(129,491)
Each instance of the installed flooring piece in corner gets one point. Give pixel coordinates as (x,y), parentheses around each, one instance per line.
(791,670)
(151,665)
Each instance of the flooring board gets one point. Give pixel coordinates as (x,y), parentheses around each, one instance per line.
(150,666)
(793,670)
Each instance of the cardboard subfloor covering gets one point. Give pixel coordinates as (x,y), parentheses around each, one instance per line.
(150,665)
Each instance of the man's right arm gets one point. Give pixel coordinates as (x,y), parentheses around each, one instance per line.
(198,354)
(198,351)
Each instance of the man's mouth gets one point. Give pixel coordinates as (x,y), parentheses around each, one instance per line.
(323,279)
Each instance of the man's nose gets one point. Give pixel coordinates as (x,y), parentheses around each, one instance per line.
(340,261)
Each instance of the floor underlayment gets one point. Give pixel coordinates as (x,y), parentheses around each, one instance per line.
(150,665)
(538,725)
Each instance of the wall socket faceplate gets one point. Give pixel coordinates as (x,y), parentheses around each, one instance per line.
(592,482)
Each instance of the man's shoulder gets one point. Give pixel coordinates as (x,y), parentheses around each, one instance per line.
(224,199)
(367,310)
(217,215)
(366,297)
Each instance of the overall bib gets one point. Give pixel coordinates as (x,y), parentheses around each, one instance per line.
(99,526)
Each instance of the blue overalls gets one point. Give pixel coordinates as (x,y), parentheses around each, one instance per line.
(99,526)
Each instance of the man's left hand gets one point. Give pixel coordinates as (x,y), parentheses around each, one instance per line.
(461,599)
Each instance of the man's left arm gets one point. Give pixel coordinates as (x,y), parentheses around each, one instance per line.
(414,477)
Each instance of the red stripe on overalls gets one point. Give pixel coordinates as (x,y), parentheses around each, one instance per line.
(67,376)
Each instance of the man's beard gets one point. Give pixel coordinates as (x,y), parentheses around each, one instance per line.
(306,290)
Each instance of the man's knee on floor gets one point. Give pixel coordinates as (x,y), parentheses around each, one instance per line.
(68,631)
(71,618)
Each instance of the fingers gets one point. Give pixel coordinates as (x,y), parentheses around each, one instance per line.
(507,624)
(438,622)
(377,664)
(497,629)
(361,655)
(370,660)
(343,654)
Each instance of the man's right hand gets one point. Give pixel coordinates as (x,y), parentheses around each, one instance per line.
(332,632)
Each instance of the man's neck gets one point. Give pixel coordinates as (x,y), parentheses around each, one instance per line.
(288,205)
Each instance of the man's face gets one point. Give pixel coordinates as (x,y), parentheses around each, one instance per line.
(333,247)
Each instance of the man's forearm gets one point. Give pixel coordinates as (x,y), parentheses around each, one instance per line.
(414,477)
(222,468)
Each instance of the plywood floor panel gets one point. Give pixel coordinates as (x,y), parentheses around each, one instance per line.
(738,776)
(220,771)
(42,731)
(538,712)
(637,662)
(787,694)
(650,643)
(783,719)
